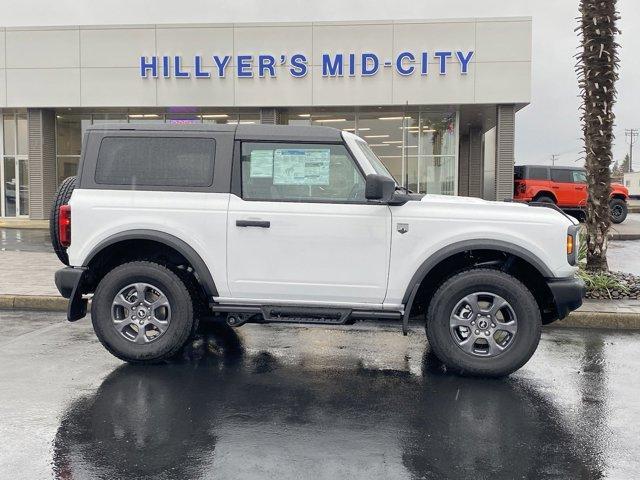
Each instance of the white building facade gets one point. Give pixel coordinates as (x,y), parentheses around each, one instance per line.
(436,99)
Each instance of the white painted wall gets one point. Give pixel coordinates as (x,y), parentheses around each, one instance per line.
(98,66)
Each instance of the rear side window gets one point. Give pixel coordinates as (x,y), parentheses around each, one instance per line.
(565,176)
(518,173)
(537,173)
(156,161)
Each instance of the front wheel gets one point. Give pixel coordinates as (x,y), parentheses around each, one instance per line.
(483,322)
(142,312)
(618,210)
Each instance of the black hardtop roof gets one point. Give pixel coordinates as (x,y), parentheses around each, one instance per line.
(553,167)
(298,133)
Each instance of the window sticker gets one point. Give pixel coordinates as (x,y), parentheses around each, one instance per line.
(301,166)
(261,164)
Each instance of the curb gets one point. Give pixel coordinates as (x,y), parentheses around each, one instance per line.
(610,320)
(25,224)
(33,302)
(624,236)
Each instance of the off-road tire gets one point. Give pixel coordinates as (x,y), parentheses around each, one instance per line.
(182,320)
(508,287)
(619,204)
(544,199)
(62,197)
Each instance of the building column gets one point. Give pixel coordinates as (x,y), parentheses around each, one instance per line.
(463,166)
(505,151)
(41,125)
(476,169)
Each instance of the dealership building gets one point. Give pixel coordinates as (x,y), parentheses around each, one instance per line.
(436,99)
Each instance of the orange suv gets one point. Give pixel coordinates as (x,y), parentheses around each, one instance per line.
(564,186)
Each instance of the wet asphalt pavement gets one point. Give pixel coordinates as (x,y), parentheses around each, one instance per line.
(312,402)
(25,239)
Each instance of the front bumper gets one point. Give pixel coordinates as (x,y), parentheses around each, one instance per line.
(567,294)
(69,281)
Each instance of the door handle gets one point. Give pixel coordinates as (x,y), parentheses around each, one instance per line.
(253,223)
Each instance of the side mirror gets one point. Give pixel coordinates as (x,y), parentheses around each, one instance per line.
(379,187)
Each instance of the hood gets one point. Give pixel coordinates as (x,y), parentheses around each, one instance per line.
(619,187)
(471,207)
(467,201)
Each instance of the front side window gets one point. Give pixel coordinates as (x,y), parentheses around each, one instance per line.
(156,161)
(300,172)
(579,176)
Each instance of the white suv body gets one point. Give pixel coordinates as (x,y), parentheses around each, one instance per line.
(301,218)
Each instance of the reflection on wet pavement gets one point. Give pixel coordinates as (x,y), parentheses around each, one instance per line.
(26,240)
(311,402)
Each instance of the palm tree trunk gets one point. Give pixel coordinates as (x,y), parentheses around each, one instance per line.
(597,73)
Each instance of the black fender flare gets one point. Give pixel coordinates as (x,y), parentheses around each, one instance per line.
(199,266)
(466,245)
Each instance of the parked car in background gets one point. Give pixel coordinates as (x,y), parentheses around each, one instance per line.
(564,186)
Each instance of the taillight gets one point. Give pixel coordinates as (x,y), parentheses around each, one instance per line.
(64,225)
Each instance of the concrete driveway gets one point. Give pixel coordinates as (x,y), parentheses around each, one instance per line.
(312,402)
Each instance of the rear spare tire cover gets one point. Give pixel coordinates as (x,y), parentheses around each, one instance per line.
(61,198)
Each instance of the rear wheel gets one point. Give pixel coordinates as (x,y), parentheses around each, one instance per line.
(483,322)
(544,199)
(142,312)
(618,210)
(62,197)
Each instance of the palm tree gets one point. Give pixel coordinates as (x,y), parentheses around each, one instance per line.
(597,70)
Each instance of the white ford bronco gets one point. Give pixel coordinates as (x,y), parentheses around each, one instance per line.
(166,225)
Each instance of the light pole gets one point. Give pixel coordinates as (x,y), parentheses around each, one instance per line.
(631,134)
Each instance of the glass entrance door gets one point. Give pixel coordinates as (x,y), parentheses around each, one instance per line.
(9,191)
(14,171)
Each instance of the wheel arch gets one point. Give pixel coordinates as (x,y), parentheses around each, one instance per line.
(620,196)
(546,193)
(491,253)
(153,237)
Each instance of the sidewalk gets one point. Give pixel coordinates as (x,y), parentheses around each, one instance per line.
(26,282)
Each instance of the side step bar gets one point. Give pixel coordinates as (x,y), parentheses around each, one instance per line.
(241,314)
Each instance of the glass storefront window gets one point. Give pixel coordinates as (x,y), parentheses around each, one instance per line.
(382,130)
(413,144)
(217,117)
(23,135)
(69,130)
(183,118)
(9,134)
(146,117)
(97,118)
(14,167)
(341,119)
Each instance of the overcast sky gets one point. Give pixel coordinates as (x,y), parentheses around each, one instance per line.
(549,125)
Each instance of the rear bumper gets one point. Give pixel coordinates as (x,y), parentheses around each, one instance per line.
(567,294)
(69,281)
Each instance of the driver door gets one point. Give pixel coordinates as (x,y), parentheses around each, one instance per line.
(301,230)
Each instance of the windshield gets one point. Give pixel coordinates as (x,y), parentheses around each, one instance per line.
(377,165)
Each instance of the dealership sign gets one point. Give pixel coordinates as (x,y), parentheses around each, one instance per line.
(333,65)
